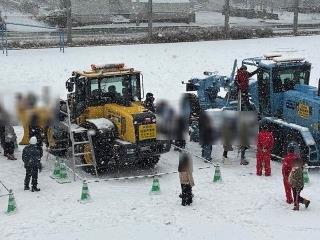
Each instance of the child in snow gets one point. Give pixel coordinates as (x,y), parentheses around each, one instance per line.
(31,156)
(186,178)
(286,169)
(297,184)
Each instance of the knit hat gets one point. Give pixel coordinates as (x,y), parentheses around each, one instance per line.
(33,140)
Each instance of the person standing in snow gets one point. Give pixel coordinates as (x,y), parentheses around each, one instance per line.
(181,128)
(297,184)
(35,129)
(244,141)
(31,156)
(186,178)
(10,139)
(286,169)
(227,135)
(206,133)
(265,144)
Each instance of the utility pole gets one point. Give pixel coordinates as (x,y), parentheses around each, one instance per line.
(137,9)
(150,19)
(227,18)
(271,6)
(295,17)
(67,4)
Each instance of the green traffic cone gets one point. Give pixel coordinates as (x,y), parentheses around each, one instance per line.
(56,170)
(12,206)
(306,178)
(63,176)
(155,189)
(85,195)
(217,174)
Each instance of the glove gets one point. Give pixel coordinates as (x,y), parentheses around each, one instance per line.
(40,167)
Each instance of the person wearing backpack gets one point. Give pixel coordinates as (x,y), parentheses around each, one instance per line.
(297,184)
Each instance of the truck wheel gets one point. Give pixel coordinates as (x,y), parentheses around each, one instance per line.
(148,162)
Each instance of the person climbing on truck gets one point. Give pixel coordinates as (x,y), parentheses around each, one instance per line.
(242,81)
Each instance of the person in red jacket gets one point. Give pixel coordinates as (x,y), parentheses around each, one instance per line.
(242,80)
(287,165)
(265,143)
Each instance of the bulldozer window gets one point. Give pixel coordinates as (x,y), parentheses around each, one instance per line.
(114,88)
(286,79)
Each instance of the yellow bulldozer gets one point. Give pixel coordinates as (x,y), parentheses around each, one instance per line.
(104,111)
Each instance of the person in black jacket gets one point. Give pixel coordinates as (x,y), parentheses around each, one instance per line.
(149,103)
(207,135)
(31,156)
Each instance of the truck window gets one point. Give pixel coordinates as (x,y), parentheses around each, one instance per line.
(286,79)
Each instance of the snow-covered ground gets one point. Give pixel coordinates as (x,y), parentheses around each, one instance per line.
(243,206)
(164,66)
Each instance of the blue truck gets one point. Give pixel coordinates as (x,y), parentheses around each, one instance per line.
(281,95)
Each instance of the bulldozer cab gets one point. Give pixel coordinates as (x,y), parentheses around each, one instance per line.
(103,85)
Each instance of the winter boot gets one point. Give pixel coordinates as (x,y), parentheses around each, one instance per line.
(26,188)
(10,157)
(35,189)
(296,208)
(244,162)
(289,201)
(306,203)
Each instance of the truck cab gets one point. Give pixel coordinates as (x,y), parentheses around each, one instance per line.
(277,75)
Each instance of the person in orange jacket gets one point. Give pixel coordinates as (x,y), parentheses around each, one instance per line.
(265,144)
(287,165)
